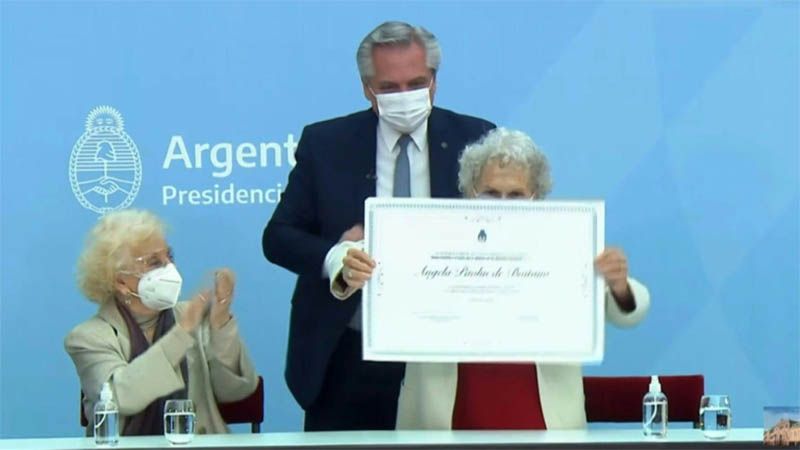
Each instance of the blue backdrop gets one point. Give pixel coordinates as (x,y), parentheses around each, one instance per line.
(683,116)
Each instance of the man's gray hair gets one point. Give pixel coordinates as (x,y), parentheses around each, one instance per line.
(397,34)
(506,147)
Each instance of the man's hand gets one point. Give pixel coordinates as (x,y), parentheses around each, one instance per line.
(357,268)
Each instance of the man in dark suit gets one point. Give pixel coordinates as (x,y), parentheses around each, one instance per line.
(401,146)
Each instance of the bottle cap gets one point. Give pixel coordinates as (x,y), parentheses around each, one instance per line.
(655,385)
(105,392)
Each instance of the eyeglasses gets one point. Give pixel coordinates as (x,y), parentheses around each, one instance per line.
(154,260)
(494,195)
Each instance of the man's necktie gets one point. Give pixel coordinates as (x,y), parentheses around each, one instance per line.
(402,170)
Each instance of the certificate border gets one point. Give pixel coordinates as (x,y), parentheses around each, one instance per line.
(594,208)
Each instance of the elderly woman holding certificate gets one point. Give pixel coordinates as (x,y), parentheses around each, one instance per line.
(505,164)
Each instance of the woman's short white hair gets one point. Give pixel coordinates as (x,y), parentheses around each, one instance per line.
(396,34)
(107,250)
(507,147)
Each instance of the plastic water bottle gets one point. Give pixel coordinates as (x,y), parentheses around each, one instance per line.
(654,410)
(106,415)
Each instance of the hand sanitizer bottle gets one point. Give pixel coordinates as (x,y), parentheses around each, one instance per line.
(106,415)
(654,410)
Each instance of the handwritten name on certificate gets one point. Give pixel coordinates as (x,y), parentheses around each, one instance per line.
(484,280)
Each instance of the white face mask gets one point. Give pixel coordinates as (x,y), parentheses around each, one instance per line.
(404,111)
(160,288)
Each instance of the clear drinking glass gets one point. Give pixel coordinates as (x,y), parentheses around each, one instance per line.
(179,421)
(715,416)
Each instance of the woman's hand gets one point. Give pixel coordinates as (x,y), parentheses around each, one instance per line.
(224,281)
(194,311)
(613,265)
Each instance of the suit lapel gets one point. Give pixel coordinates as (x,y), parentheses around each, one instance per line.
(442,155)
(364,154)
(444,171)
(109,314)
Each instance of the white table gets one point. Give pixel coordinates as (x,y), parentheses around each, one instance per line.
(744,438)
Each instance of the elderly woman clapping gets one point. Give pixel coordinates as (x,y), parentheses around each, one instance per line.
(145,343)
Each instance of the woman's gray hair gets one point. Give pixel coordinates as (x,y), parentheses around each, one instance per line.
(397,34)
(107,250)
(507,147)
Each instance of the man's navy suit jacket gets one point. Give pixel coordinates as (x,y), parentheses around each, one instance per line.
(334,174)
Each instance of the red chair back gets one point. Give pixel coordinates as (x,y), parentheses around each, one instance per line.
(247,410)
(619,399)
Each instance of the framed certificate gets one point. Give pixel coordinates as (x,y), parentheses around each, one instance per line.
(484,280)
